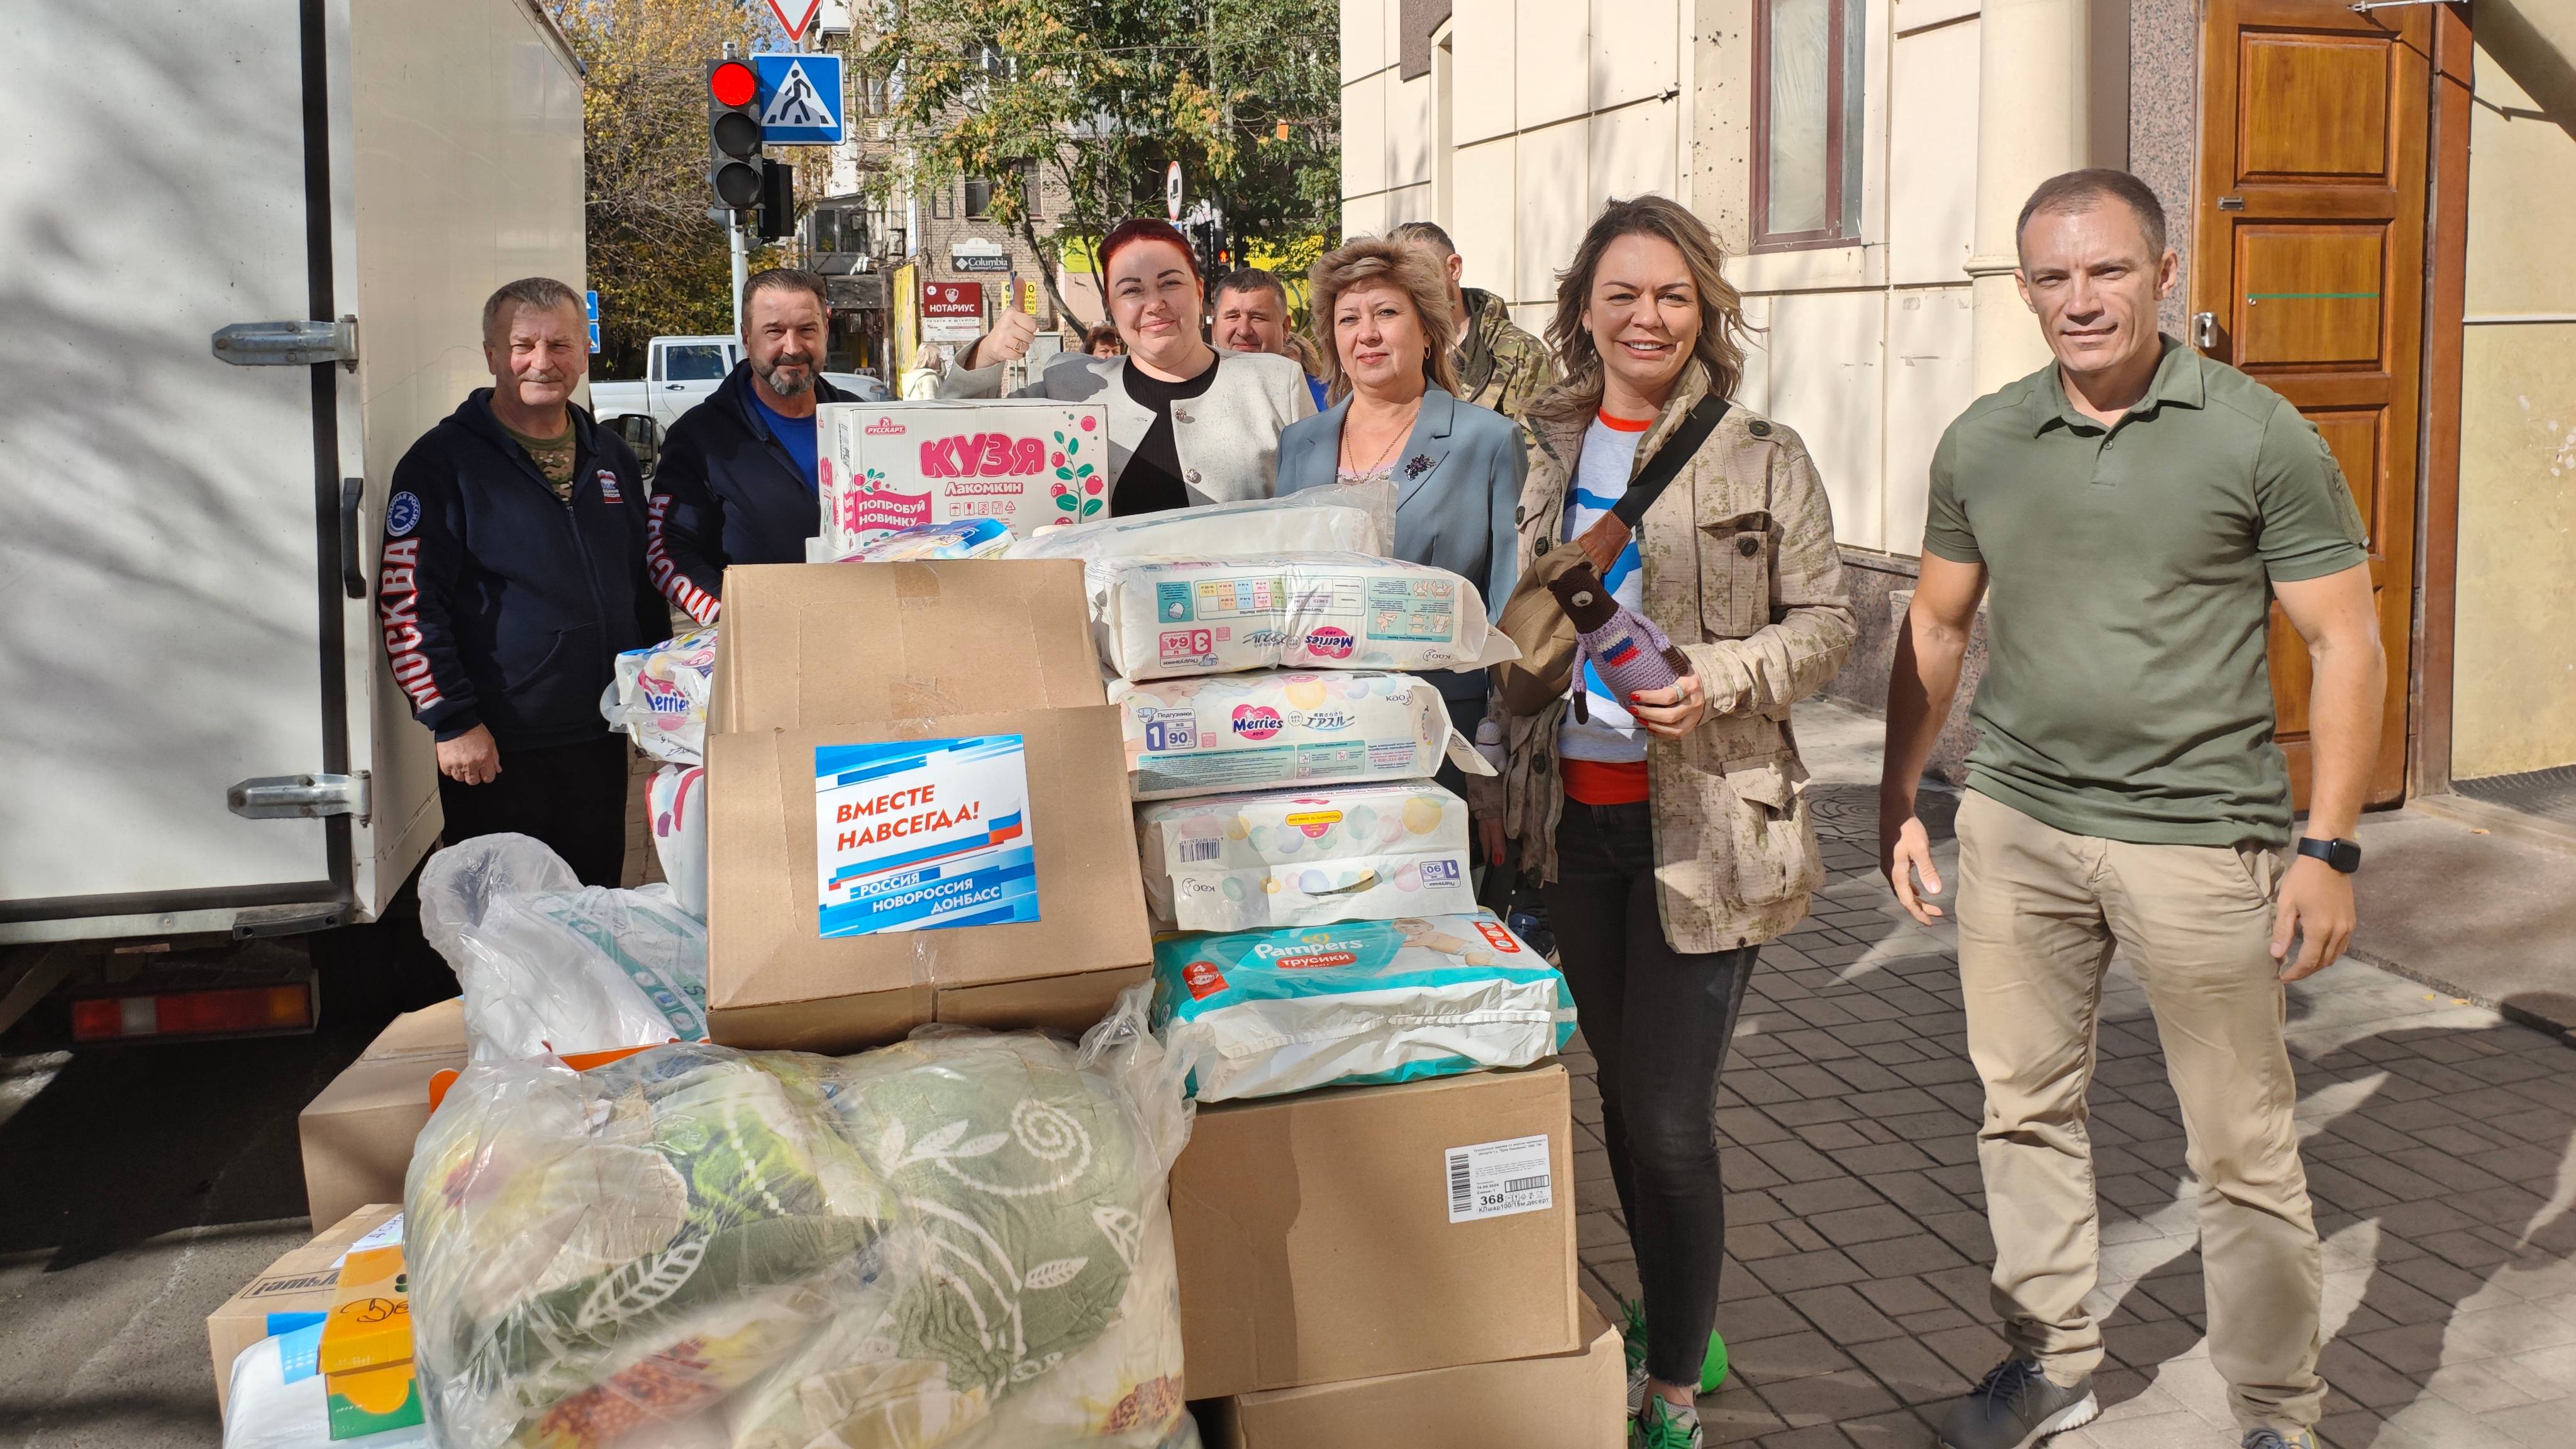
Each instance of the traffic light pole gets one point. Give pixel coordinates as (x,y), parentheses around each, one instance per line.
(741,266)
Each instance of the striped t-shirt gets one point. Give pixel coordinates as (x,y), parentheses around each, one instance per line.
(1610,737)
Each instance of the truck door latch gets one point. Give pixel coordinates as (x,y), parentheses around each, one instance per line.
(289,344)
(300,797)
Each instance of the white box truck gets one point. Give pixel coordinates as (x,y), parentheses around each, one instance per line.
(248,247)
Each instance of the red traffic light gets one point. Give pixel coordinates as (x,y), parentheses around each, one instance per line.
(733,84)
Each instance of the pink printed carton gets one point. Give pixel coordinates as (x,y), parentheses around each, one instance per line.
(1030,462)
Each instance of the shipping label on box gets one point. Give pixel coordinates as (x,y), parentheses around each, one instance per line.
(1029,462)
(921,835)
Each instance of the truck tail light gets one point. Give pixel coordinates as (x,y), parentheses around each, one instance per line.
(214,1012)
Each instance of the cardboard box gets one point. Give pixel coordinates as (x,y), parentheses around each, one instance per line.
(357,1135)
(1029,462)
(295,1292)
(850,659)
(1321,1237)
(1565,1401)
(808,645)
(1033,865)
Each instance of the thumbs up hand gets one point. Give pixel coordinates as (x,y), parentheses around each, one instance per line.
(1009,340)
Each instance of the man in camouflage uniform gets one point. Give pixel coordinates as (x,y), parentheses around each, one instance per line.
(1499,365)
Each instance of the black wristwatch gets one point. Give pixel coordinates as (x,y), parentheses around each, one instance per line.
(2343,855)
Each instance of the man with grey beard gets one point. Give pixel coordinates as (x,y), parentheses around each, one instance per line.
(736,483)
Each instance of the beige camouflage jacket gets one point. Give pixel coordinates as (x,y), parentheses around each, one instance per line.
(1499,365)
(1742,573)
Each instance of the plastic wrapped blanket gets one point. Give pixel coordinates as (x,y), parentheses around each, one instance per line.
(957,1241)
(1260,731)
(1304,858)
(1261,1013)
(1164,618)
(550,965)
(659,697)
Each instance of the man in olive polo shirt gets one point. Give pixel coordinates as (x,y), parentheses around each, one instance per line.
(2132,510)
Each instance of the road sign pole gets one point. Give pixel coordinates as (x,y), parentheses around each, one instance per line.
(741,267)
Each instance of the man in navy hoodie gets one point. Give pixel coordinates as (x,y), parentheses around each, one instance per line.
(513,576)
(736,481)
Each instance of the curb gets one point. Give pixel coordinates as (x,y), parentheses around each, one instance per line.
(2563,1032)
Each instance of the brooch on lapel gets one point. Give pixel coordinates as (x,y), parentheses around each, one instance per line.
(1417,465)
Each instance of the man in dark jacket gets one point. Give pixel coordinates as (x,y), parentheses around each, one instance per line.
(513,576)
(737,481)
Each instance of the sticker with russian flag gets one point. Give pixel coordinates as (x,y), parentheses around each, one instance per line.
(923,835)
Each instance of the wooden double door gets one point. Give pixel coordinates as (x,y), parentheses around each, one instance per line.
(2307,272)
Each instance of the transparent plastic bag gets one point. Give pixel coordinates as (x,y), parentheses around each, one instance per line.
(960,1240)
(550,965)
(1340,517)
(675,803)
(659,697)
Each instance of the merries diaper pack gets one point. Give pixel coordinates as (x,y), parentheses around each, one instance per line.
(1302,858)
(1261,1013)
(1284,728)
(1161,618)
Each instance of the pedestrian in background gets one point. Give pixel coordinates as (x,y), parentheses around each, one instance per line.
(1252,316)
(921,382)
(2135,508)
(737,482)
(1499,365)
(1188,424)
(1457,468)
(1669,827)
(512,577)
(1102,341)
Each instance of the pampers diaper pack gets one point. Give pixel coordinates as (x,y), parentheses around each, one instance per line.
(1359,853)
(1162,618)
(1262,1013)
(1265,730)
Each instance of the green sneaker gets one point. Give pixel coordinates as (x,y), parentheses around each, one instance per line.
(1665,1425)
(1632,1328)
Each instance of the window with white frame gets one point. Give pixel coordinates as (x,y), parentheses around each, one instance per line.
(1807,92)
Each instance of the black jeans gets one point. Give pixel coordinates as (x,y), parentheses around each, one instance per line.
(1658,1022)
(571,797)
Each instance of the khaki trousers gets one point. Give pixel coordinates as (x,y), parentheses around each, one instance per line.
(2040,913)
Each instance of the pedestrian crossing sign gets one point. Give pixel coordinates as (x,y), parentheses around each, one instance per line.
(800,98)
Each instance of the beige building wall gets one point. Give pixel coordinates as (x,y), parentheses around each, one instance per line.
(2514,683)
(1531,114)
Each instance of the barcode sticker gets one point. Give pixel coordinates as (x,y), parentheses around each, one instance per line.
(1498,1179)
(1195,852)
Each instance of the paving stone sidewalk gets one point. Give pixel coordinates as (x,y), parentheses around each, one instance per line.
(2437,1137)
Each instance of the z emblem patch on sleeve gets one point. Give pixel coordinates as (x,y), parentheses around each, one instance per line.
(402,515)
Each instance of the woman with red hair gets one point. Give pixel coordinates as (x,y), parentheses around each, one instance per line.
(1188,424)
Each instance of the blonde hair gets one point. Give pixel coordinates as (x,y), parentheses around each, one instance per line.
(1722,329)
(1371,261)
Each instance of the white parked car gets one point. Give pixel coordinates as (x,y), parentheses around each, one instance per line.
(679,374)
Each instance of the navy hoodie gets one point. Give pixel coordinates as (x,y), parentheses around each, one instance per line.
(502,605)
(726,492)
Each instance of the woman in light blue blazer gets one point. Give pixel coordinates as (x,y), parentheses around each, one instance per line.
(1383,324)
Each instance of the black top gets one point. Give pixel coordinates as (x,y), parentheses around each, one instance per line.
(503,605)
(1151,481)
(728,492)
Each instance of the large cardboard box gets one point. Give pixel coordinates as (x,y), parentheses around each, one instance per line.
(916,807)
(1029,462)
(1377,1230)
(295,1292)
(357,1136)
(1564,1401)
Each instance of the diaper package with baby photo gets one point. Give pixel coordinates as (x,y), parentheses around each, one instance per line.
(1262,1013)
(659,697)
(1162,618)
(1305,858)
(1234,732)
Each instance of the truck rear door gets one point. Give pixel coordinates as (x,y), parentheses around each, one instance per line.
(171,560)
